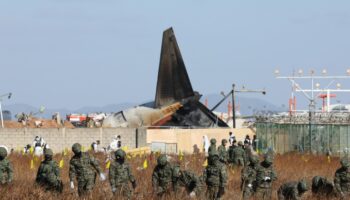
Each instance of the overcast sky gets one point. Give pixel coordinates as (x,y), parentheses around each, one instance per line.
(74,53)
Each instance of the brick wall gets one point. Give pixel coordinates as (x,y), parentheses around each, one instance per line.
(58,139)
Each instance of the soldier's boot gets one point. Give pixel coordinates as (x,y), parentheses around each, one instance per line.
(59,187)
(263,194)
(247,193)
(280,195)
(212,192)
(85,188)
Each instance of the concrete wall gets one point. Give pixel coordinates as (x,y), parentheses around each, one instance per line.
(58,139)
(185,139)
(174,139)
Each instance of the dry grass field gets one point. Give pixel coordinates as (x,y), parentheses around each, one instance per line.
(289,167)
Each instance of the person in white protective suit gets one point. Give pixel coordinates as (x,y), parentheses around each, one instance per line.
(96,146)
(206,144)
(115,144)
(231,138)
(39,146)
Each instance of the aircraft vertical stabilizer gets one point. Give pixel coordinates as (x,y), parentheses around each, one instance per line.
(173,82)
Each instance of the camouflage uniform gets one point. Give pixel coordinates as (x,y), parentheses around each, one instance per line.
(48,174)
(120,175)
(84,167)
(223,153)
(6,171)
(248,177)
(248,149)
(292,190)
(215,176)
(237,155)
(163,180)
(342,179)
(187,179)
(212,148)
(265,176)
(322,187)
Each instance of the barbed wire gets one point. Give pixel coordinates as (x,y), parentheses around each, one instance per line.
(304,118)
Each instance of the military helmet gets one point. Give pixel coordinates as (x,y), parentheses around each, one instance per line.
(345,162)
(48,152)
(213,141)
(3,152)
(162,160)
(240,143)
(76,148)
(254,159)
(120,153)
(317,180)
(302,185)
(223,141)
(268,160)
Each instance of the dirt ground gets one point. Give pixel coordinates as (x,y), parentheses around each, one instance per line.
(46,123)
(289,167)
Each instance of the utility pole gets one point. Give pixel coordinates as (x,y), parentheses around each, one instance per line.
(233,107)
(232,93)
(8,95)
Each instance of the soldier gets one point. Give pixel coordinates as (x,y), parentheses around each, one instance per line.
(292,190)
(322,187)
(237,154)
(255,143)
(248,177)
(6,171)
(247,140)
(342,179)
(162,177)
(189,180)
(48,174)
(84,168)
(264,177)
(120,175)
(215,176)
(230,151)
(212,147)
(248,151)
(223,153)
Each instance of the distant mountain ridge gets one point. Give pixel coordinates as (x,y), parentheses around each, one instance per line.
(19,108)
(247,106)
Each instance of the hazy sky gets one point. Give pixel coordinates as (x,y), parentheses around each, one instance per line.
(73,53)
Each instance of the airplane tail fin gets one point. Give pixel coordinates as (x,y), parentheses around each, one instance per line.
(173,82)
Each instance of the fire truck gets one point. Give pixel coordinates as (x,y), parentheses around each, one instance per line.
(78,120)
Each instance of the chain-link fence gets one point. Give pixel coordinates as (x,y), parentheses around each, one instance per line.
(316,138)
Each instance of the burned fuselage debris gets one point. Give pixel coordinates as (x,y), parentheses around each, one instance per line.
(175,104)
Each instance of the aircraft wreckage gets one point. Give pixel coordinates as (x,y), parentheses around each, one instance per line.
(175,104)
